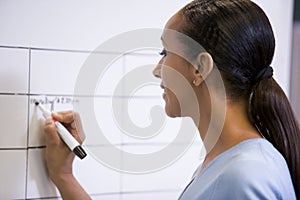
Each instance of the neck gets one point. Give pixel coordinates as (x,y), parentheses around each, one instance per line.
(236,128)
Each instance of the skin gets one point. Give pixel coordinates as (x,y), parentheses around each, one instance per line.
(236,129)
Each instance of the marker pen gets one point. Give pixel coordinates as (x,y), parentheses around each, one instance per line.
(65,135)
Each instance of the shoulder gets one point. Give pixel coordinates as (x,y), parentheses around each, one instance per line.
(255,171)
(244,173)
(250,180)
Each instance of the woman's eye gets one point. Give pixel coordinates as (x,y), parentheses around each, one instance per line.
(163,52)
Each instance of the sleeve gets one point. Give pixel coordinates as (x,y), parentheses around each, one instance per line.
(253,181)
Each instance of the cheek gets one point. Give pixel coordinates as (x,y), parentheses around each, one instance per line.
(177,83)
(182,101)
(169,75)
(174,70)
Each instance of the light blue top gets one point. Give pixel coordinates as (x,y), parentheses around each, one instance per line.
(253,169)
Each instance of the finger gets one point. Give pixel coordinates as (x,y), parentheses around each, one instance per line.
(78,126)
(51,135)
(65,116)
(72,126)
(71,120)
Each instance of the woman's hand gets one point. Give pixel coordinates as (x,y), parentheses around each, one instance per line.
(59,157)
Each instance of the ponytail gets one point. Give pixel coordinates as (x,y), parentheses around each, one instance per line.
(271,113)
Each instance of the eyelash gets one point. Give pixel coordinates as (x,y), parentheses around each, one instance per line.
(163,53)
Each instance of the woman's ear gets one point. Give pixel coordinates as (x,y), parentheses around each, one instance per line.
(205,65)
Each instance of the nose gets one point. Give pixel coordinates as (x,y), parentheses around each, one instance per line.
(156,70)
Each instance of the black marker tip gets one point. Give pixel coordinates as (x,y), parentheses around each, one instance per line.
(36,103)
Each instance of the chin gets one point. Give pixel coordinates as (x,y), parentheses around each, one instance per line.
(170,114)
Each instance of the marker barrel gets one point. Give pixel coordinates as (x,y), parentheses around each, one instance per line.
(70,141)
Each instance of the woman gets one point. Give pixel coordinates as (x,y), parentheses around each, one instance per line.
(257,154)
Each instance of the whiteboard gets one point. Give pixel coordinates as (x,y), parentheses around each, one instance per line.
(38,39)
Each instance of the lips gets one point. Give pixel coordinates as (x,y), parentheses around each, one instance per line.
(164,94)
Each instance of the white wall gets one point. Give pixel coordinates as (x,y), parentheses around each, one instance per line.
(39,39)
(295,90)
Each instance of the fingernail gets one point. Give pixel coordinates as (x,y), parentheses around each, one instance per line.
(55,113)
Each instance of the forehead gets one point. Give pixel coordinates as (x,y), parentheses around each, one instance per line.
(172,30)
(175,40)
(175,22)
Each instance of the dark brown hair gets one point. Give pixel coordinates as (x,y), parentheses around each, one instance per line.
(239,37)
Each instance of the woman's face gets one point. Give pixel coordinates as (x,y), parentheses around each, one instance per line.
(175,72)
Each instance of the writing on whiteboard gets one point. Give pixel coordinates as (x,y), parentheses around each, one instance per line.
(54,100)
